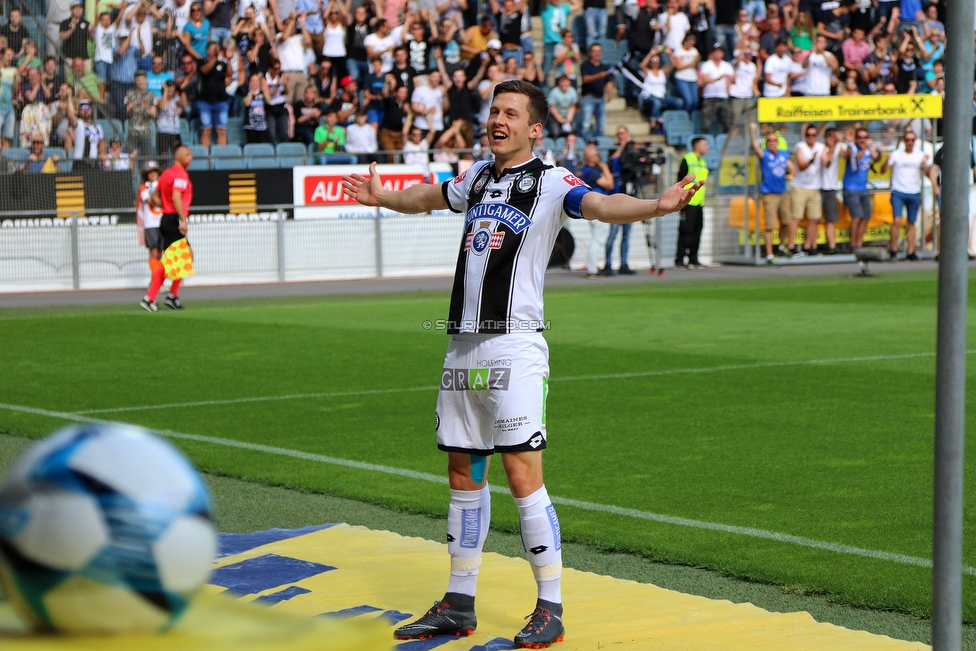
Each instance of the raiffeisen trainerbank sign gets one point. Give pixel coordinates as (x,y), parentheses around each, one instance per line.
(864,107)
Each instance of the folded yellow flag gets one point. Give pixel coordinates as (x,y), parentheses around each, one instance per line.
(178,260)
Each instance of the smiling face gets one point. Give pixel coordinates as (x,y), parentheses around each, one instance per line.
(510,128)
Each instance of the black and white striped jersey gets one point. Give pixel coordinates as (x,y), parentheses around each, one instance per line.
(510,227)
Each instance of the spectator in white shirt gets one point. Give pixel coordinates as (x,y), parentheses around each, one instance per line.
(675,24)
(907,167)
(416,148)
(361,139)
(805,191)
(715,76)
(776,71)
(382,42)
(821,66)
(654,95)
(745,89)
(428,104)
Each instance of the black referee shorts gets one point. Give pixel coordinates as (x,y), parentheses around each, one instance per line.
(169,228)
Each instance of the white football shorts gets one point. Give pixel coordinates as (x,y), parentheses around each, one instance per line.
(493,394)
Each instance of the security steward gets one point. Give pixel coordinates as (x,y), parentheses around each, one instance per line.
(690,226)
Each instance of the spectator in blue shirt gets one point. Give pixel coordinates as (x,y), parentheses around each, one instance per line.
(776,169)
(597,175)
(157,77)
(122,73)
(196,32)
(859,154)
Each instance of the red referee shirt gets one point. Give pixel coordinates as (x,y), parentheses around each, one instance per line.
(175,178)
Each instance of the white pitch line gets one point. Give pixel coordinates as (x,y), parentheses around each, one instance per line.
(765,534)
(577,378)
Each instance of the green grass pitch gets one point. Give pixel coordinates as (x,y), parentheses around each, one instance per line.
(692,400)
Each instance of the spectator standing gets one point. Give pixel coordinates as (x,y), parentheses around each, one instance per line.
(196,32)
(402,69)
(675,25)
(291,55)
(745,88)
(375,82)
(416,148)
(726,15)
(180,11)
(855,50)
(931,50)
(623,139)
(692,216)
(907,167)
(555,18)
(569,158)
(508,19)
(29,58)
(699,14)
(10,79)
(596,174)
(715,76)
(475,40)
(334,49)
(685,60)
(324,81)
(122,73)
(449,45)
(277,113)
(798,74)
(157,77)
(879,66)
(188,84)
(908,68)
(346,103)
(169,108)
(237,72)
(308,113)
(566,59)
(460,99)
(218,12)
(829,174)
(801,36)
(140,110)
(595,15)
(35,118)
(74,33)
(57,12)
(14,32)
(357,60)
(85,84)
(562,107)
(654,96)
(859,155)
(256,102)
(104,39)
(834,25)
(140,26)
(309,12)
(776,169)
(396,108)
(774,33)
(427,103)
(382,42)
(212,102)
(821,66)
(88,137)
(595,75)
(805,191)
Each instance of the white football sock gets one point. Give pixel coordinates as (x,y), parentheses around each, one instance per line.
(468,518)
(542,543)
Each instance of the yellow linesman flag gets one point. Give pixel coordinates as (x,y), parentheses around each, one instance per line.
(178,260)
(217,623)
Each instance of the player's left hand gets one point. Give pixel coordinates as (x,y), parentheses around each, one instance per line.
(364,190)
(677,196)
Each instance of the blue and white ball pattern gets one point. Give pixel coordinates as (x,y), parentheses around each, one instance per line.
(104,529)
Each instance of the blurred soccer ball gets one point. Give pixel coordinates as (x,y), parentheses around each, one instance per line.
(104,529)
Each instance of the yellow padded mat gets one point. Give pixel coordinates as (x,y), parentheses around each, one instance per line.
(355,576)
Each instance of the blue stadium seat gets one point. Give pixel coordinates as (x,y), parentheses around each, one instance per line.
(696,119)
(313,148)
(290,149)
(64,166)
(677,132)
(54,151)
(286,162)
(720,141)
(262,163)
(218,151)
(201,163)
(236,136)
(672,116)
(199,151)
(259,149)
(612,53)
(106,126)
(558,145)
(548,143)
(579,32)
(228,163)
(15,153)
(712,160)
(605,142)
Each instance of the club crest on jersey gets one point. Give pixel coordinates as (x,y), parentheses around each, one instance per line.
(480,183)
(526,183)
(483,239)
(514,218)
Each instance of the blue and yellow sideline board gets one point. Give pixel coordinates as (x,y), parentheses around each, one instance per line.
(348,587)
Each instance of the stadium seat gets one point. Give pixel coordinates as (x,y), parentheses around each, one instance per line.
(261,163)
(671,116)
(605,142)
(64,166)
(199,151)
(218,151)
(201,163)
(236,137)
(259,149)
(290,149)
(579,32)
(337,159)
(313,148)
(54,151)
(118,129)
(106,126)
(696,119)
(720,141)
(677,132)
(712,160)
(228,164)
(611,52)
(15,153)
(286,162)
(558,145)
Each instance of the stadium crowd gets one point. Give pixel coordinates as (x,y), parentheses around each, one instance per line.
(353,77)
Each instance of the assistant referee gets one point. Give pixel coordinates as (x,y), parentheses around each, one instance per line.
(174,193)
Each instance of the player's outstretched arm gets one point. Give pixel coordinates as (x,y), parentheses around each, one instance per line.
(624,209)
(413,200)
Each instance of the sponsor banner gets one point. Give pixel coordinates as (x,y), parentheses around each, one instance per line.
(849,109)
(242,191)
(317,189)
(64,194)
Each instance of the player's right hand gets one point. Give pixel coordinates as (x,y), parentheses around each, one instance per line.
(364,190)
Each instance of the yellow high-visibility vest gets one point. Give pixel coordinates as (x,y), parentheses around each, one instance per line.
(699,168)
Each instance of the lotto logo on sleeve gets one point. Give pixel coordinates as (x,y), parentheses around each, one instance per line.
(475,379)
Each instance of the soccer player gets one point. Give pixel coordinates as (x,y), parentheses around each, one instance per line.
(495,378)
(174,194)
(148,215)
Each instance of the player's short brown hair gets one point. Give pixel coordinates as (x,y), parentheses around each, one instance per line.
(538,105)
